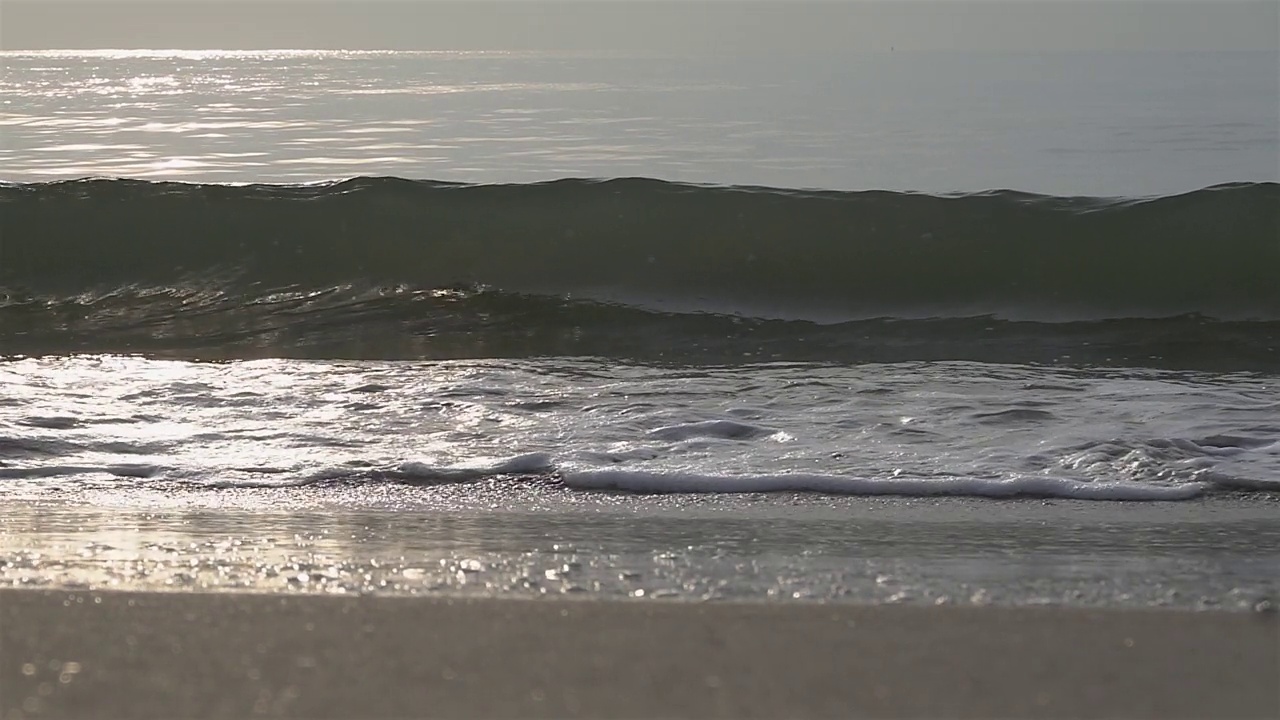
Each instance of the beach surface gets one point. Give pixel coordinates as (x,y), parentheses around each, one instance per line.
(73,654)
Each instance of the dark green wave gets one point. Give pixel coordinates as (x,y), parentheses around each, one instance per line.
(638,268)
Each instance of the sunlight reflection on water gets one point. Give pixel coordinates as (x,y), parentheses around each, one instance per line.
(1067,126)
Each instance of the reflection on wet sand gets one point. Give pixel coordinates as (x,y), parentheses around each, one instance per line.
(855,550)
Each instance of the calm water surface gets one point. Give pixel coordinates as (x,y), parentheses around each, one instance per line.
(1065,124)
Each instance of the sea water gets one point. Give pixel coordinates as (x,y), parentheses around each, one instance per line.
(896,327)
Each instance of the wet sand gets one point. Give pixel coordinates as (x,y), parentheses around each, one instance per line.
(203,655)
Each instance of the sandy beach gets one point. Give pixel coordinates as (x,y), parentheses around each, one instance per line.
(74,654)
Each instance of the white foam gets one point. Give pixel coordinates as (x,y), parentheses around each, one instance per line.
(526,464)
(1025,486)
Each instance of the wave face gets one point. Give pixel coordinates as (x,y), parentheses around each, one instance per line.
(388,267)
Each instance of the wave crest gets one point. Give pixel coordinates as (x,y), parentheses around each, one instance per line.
(819,254)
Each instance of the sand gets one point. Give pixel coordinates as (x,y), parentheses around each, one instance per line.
(173,655)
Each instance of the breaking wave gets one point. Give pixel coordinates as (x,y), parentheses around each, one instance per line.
(384,267)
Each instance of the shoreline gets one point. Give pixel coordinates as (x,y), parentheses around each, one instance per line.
(105,654)
(450,540)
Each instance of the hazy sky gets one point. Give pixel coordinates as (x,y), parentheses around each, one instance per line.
(728,26)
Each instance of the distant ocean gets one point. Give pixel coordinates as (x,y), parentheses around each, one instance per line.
(698,327)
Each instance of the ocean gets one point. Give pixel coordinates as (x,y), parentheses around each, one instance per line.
(885,327)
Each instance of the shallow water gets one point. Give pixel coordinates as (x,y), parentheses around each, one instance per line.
(540,542)
(915,429)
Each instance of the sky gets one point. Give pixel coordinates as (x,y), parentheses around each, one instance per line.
(656,26)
